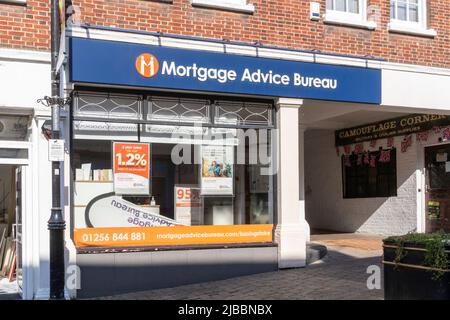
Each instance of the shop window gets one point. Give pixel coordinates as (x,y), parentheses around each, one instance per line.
(409,16)
(405,10)
(236,113)
(348,12)
(370,174)
(178,110)
(349,6)
(107,106)
(209,175)
(14,127)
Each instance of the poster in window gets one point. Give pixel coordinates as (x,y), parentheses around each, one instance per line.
(131,168)
(217,170)
(188,205)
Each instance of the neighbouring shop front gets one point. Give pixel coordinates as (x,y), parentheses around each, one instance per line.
(387,177)
(368,172)
(15,178)
(185,163)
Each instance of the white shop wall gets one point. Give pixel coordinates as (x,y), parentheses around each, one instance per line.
(43,201)
(415,87)
(24,77)
(327,209)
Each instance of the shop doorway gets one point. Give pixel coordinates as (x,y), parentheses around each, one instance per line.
(15,205)
(437,188)
(11,260)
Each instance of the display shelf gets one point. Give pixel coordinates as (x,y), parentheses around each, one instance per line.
(85,191)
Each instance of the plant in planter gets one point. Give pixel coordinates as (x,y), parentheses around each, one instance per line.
(416,266)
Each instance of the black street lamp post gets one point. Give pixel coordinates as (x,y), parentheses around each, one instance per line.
(56,223)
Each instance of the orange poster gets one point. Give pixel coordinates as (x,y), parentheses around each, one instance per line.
(131,168)
(188,205)
(171,236)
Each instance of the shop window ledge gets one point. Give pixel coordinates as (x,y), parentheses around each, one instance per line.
(21,2)
(95,250)
(411,30)
(244,8)
(342,21)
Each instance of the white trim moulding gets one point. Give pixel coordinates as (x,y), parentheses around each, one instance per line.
(411,30)
(262,52)
(224,5)
(24,55)
(364,24)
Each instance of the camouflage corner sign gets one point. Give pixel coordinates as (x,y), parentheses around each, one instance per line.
(390,128)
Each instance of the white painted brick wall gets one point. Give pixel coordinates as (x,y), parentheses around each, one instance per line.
(327,209)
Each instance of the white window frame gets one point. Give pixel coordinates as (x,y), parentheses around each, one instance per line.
(350,18)
(18,145)
(413,27)
(13,1)
(233,5)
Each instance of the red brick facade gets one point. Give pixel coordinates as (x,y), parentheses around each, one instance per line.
(25,26)
(283,23)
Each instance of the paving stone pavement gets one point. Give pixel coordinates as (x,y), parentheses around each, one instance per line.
(342,274)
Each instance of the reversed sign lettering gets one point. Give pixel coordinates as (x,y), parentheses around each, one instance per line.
(109,210)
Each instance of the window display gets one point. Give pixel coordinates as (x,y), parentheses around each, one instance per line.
(141,183)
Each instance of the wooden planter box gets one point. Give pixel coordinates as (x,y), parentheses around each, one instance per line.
(410,279)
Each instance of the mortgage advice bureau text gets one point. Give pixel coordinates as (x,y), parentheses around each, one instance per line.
(224,75)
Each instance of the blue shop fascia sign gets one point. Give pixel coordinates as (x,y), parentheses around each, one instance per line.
(138,65)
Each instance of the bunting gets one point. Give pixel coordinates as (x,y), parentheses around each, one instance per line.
(359,161)
(422,136)
(366,159)
(406,143)
(373,161)
(390,142)
(446,134)
(347,161)
(347,149)
(359,147)
(385,156)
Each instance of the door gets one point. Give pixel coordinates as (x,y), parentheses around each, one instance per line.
(437,189)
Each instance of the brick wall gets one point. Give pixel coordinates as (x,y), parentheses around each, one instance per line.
(282,23)
(25,26)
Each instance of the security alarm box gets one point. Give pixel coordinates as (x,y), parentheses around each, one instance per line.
(315,10)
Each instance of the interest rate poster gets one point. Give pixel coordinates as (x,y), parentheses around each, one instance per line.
(131,168)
